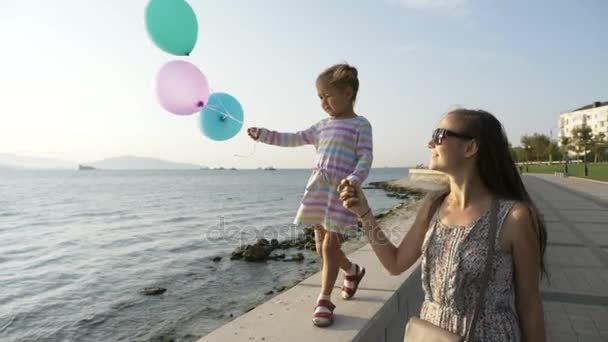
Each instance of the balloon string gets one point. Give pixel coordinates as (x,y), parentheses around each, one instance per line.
(228,115)
(250,154)
(219,98)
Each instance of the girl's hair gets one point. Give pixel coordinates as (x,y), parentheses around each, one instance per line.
(497,168)
(342,76)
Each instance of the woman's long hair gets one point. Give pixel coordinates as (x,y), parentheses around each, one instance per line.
(497,169)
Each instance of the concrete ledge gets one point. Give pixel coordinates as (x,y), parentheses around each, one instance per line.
(428,176)
(378,312)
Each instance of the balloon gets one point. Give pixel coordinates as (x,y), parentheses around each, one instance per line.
(181,88)
(222,117)
(172,26)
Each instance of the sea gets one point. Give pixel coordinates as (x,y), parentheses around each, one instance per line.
(78,247)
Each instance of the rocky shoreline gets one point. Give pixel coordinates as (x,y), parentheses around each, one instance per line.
(264,250)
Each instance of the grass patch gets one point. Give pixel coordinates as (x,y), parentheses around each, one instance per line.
(597,171)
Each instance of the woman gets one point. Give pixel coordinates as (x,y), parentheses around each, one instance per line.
(450,232)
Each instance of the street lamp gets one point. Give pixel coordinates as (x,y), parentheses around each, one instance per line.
(527,148)
(585,168)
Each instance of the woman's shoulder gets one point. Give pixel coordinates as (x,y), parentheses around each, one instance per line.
(518,218)
(512,208)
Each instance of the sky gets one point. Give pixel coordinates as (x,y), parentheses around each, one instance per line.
(77,77)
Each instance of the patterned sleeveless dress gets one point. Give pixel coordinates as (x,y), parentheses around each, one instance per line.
(453,259)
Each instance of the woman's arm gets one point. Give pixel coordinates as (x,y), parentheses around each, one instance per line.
(522,236)
(396,260)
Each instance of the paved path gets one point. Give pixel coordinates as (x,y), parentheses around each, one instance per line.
(576,298)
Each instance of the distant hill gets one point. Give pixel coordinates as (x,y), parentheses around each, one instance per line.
(13,161)
(9,160)
(140,163)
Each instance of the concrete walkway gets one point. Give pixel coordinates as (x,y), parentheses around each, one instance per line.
(576,298)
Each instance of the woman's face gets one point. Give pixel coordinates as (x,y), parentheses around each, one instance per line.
(451,147)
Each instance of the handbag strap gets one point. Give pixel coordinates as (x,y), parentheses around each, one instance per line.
(486,272)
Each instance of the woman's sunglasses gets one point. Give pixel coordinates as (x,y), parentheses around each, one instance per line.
(440,133)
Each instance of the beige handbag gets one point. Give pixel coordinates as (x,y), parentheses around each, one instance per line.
(419,330)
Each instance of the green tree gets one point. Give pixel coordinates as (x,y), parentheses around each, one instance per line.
(600,145)
(565,146)
(538,146)
(518,154)
(582,139)
(555,152)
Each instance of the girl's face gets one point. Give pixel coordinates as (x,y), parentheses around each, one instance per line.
(334,101)
(451,146)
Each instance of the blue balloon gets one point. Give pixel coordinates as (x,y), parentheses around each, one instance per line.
(222,117)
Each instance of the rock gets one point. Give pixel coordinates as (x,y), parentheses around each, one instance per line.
(257,253)
(277,256)
(296,257)
(274,243)
(309,231)
(299,257)
(269,293)
(217,259)
(238,252)
(263,242)
(153,291)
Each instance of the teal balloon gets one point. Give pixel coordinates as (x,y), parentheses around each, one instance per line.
(172,26)
(222,117)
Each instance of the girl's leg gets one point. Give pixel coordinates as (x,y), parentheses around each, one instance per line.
(320,233)
(323,315)
(353,273)
(332,258)
(319,237)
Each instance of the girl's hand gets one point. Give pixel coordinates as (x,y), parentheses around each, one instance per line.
(254,133)
(353,198)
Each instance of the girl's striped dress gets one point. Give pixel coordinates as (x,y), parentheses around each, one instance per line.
(344,150)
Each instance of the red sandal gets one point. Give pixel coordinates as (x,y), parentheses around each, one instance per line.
(347,292)
(323,318)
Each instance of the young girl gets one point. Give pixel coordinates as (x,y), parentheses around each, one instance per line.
(344,150)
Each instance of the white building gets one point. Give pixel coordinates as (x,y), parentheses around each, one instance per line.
(594,115)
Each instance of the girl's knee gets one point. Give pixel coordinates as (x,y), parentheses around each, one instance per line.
(331,244)
(319,248)
(319,238)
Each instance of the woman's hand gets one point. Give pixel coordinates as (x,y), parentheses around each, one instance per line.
(254,133)
(353,198)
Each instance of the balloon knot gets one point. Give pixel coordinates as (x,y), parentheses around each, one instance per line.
(200,103)
(223,118)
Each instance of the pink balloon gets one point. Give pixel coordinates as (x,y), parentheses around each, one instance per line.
(181,88)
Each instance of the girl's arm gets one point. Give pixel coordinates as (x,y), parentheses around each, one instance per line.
(305,137)
(522,235)
(364,155)
(395,259)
